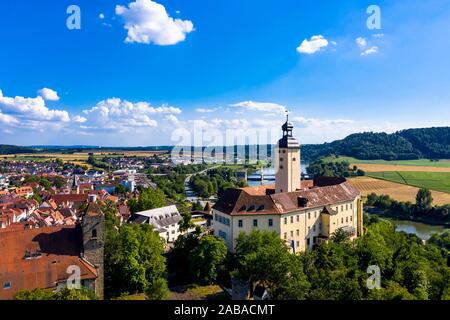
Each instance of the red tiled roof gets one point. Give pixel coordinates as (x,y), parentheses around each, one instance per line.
(256,201)
(63,198)
(60,247)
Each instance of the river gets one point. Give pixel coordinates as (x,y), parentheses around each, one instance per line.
(422,230)
(271,171)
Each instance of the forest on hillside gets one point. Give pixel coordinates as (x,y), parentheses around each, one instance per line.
(7,149)
(430,143)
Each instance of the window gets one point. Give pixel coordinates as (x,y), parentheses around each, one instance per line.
(173,231)
(285,220)
(270,222)
(240,223)
(292,234)
(308,241)
(94,234)
(298,232)
(314,227)
(351,205)
(346,207)
(281,159)
(346,219)
(337,209)
(255,222)
(6,285)
(298,218)
(309,215)
(293,159)
(281,167)
(223,235)
(285,235)
(284,151)
(292,219)
(315,214)
(320,226)
(342,208)
(351,218)
(298,244)
(309,228)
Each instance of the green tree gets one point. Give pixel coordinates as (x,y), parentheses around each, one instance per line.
(207,258)
(424,200)
(263,258)
(63,294)
(157,290)
(186,223)
(134,258)
(148,199)
(340,236)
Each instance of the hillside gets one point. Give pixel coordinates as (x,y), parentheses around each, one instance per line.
(432,143)
(7,149)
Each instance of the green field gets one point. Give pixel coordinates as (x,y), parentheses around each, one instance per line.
(439,181)
(420,162)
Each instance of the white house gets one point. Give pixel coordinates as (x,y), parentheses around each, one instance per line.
(164,220)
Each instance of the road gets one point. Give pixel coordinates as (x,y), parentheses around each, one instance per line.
(190,194)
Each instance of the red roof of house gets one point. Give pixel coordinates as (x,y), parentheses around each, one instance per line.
(59,248)
(262,200)
(63,198)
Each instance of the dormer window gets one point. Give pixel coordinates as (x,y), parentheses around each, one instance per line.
(7,285)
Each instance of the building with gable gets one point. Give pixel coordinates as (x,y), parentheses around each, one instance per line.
(304,213)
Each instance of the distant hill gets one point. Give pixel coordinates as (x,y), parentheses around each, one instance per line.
(432,143)
(7,149)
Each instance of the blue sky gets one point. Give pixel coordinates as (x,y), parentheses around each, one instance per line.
(138,71)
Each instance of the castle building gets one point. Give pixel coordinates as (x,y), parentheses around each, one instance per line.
(304,213)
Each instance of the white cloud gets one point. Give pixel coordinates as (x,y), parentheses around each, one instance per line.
(48,94)
(260,106)
(206,110)
(172,119)
(313,45)
(378,35)
(319,122)
(117,114)
(361,42)
(79,119)
(33,109)
(148,22)
(369,51)
(101,16)
(7,119)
